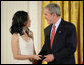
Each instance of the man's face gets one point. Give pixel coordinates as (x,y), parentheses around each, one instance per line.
(48,16)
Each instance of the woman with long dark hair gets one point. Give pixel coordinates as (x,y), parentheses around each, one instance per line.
(22,39)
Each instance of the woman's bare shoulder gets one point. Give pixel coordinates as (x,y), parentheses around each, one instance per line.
(15,36)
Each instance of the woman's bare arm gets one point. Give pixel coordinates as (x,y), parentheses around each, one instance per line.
(15,48)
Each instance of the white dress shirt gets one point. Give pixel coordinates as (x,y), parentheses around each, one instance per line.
(56,26)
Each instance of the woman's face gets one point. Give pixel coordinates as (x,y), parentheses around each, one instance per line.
(28,22)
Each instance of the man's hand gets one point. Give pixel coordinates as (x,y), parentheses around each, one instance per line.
(49,58)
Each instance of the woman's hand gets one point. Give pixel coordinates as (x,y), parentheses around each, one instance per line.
(36,57)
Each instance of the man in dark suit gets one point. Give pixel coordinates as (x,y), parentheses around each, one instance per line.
(60,38)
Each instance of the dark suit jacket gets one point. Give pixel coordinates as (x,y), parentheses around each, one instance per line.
(64,44)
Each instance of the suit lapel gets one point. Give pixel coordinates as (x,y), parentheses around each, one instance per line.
(49,35)
(48,31)
(58,32)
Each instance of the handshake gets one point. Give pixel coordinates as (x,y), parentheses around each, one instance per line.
(44,59)
(40,60)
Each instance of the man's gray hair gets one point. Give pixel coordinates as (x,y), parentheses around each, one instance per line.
(53,8)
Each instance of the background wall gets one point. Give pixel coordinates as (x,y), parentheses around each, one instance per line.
(8,8)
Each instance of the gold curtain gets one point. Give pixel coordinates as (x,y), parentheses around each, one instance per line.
(71,11)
